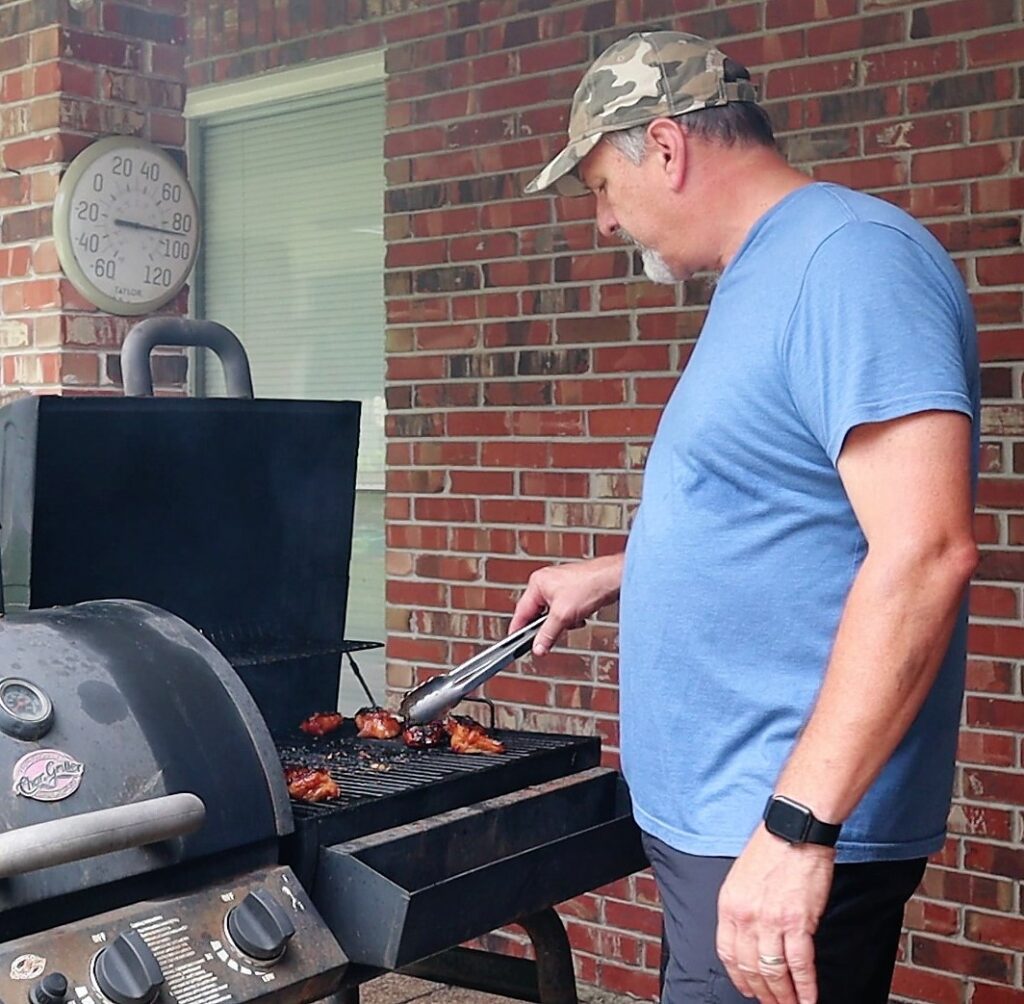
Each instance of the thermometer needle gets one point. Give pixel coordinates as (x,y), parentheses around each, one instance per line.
(146,226)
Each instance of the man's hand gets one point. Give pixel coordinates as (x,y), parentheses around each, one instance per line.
(768,910)
(571,594)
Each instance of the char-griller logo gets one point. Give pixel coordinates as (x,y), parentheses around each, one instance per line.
(47,775)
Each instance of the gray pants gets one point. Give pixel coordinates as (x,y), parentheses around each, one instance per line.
(855,945)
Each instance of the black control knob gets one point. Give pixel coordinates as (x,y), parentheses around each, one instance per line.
(127,971)
(259,926)
(51,989)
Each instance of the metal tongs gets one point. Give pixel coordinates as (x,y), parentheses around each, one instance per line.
(435,698)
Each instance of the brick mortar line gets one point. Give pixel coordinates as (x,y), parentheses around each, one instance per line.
(760,70)
(555,103)
(908,186)
(512,18)
(800,165)
(724,41)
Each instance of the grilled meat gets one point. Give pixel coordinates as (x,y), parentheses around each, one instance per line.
(378,723)
(310,785)
(426,736)
(467,735)
(322,722)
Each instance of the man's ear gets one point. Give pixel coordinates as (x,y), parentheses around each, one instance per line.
(668,142)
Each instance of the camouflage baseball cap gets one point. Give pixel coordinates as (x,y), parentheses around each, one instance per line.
(638,79)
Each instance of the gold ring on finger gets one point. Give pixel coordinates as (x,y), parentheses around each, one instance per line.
(772,960)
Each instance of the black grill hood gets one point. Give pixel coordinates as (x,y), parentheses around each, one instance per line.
(149,708)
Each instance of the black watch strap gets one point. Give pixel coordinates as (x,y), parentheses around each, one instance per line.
(796,824)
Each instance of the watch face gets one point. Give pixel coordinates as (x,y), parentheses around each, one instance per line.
(127,225)
(786,819)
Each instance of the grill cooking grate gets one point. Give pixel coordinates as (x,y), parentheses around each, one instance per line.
(385,784)
(373,768)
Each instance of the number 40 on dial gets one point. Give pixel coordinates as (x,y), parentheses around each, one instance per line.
(126,224)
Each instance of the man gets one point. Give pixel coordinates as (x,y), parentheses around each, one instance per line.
(792,593)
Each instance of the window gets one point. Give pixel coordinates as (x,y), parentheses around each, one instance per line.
(291,187)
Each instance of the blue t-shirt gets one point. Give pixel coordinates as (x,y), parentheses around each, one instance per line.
(838,309)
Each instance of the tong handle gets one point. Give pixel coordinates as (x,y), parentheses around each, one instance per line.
(486,663)
(436,697)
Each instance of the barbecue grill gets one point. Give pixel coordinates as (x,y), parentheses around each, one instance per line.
(176,576)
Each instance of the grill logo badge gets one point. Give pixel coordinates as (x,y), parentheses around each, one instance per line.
(27,967)
(47,775)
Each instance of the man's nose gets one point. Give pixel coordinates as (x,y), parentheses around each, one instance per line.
(606,222)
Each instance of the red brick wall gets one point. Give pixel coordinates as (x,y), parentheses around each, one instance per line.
(527,363)
(67,77)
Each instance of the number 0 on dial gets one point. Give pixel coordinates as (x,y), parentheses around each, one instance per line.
(126,224)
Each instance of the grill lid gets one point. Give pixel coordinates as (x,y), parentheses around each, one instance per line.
(143,707)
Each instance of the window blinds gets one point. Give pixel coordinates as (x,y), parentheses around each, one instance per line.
(294,252)
(292,262)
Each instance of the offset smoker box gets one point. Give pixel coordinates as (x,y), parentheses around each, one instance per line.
(236,515)
(401,895)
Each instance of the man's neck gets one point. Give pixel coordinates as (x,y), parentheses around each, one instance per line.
(748,182)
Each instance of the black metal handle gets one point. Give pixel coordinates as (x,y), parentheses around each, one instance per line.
(146,335)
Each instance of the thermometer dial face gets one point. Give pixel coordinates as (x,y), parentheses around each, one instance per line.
(127,225)
(25,711)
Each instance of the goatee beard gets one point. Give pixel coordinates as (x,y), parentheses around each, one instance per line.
(655,267)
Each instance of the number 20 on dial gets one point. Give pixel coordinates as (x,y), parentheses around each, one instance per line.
(126,224)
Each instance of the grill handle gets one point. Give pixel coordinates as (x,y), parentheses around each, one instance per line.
(146,335)
(103,831)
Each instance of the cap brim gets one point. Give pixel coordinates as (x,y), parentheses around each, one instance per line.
(558,173)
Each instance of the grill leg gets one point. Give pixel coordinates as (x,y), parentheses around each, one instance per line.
(556,979)
(549,980)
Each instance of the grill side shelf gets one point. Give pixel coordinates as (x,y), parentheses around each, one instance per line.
(401,895)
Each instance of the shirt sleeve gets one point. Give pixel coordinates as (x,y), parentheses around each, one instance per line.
(877,333)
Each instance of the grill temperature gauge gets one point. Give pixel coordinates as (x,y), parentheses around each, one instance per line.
(25,711)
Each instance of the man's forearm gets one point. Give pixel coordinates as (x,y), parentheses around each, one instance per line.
(894,631)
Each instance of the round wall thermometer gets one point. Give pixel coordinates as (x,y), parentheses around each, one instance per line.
(127,225)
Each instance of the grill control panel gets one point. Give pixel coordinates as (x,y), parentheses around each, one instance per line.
(257,938)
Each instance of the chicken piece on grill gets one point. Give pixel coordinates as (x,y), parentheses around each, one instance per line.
(309,785)
(467,735)
(378,723)
(322,722)
(426,736)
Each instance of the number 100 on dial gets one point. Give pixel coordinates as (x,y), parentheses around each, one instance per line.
(126,224)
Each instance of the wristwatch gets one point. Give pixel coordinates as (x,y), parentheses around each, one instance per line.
(796,824)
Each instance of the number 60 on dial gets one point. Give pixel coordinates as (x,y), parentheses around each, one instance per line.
(126,224)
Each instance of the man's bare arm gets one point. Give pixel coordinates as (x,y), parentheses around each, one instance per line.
(910,487)
(909,483)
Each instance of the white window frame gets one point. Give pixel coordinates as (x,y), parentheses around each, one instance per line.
(252,92)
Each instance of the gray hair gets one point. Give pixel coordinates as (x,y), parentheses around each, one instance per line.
(739,122)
